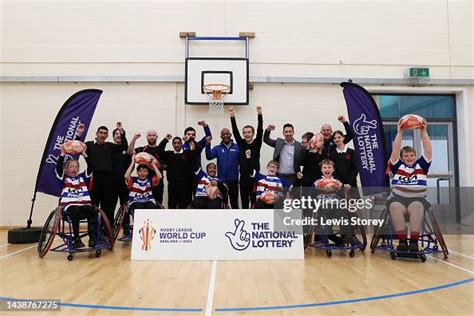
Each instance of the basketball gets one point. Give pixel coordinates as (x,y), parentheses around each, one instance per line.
(412,121)
(317,141)
(74,147)
(268,197)
(144,158)
(212,192)
(328,185)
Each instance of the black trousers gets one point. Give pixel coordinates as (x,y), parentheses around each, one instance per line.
(233,192)
(78,212)
(202,202)
(158,192)
(121,191)
(179,195)
(103,194)
(131,211)
(247,191)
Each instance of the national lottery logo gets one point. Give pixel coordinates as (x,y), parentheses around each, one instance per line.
(239,239)
(259,236)
(147,233)
(362,127)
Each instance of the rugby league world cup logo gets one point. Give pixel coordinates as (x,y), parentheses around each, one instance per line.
(147,233)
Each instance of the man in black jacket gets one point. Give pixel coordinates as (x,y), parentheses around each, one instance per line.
(247,193)
(99,159)
(179,171)
(326,130)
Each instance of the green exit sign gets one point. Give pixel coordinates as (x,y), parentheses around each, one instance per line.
(421,72)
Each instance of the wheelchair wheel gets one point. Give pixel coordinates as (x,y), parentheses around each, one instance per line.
(393,255)
(329,253)
(107,231)
(422,257)
(351,253)
(118,220)
(48,232)
(70,257)
(378,231)
(438,234)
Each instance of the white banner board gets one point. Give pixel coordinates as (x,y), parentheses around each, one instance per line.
(212,235)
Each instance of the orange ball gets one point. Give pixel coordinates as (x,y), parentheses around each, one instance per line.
(412,121)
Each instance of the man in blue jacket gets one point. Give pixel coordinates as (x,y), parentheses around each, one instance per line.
(227,154)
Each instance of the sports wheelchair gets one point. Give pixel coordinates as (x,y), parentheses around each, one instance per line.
(322,241)
(119,220)
(430,240)
(59,224)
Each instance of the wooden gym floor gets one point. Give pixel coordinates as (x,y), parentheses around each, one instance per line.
(368,284)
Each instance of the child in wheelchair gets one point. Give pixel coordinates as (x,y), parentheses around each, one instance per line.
(140,191)
(328,191)
(409,183)
(211,193)
(271,190)
(75,198)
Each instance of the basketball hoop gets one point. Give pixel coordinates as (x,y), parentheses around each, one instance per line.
(216,93)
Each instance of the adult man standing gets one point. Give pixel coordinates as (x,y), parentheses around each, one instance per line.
(190,135)
(152,149)
(326,130)
(227,154)
(254,145)
(288,152)
(99,158)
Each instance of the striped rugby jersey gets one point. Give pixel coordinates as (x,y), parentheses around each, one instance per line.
(203,181)
(269,183)
(410,181)
(140,190)
(75,189)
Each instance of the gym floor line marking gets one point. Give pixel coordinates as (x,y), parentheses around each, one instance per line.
(14,253)
(453,265)
(357,300)
(112,307)
(210,292)
(460,254)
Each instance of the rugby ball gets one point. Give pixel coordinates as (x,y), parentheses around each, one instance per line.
(212,192)
(268,197)
(144,158)
(328,185)
(74,147)
(316,142)
(412,121)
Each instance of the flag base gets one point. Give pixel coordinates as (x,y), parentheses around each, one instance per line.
(24,235)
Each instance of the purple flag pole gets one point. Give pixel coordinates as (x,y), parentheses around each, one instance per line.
(79,107)
(369,140)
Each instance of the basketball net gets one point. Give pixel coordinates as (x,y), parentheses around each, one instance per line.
(216,94)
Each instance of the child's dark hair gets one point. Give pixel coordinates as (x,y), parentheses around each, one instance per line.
(307,136)
(327,162)
(338,132)
(273,162)
(142,166)
(103,127)
(407,149)
(177,138)
(210,164)
(69,161)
